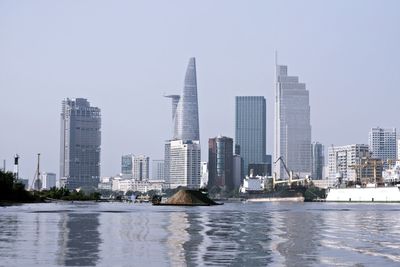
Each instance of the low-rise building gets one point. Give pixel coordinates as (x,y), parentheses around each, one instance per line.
(125,185)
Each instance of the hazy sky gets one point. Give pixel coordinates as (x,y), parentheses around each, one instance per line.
(124,55)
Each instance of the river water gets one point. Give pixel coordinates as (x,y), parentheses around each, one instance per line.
(235,234)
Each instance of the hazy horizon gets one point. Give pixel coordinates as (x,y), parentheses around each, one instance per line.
(124,56)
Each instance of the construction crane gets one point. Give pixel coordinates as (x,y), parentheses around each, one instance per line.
(284,165)
(289,173)
(366,162)
(37,183)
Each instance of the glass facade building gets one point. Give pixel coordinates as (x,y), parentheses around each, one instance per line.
(185,111)
(126,165)
(250,130)
(80,144)
(292,124)
(220,162)
(317,160)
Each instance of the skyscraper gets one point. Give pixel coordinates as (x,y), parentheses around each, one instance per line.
(317,160)
(382,144)
(80,144)
(185,111)
(220,162)
(184,145)
(250,130)
(292,124)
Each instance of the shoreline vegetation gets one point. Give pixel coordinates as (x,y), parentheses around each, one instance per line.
(13,192)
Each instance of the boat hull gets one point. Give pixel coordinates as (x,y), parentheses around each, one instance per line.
(277,199)
(372,194)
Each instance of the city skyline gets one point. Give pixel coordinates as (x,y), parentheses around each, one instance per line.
(334,57)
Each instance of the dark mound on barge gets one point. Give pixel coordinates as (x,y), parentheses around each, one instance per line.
(187,197)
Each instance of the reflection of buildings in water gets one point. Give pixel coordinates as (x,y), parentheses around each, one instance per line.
(8,237)
(253,238)
(79,239)
(178,235)
(133,238)
(300,231)
(199,241)
(227,237)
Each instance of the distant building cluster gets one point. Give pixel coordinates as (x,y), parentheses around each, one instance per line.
(233,163)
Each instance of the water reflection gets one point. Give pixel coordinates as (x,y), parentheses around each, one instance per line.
(299,237)
(209,237)
(8,237)
(177,236)
(236,234)
(79,239)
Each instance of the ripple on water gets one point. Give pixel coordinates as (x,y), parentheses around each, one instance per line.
(259,234)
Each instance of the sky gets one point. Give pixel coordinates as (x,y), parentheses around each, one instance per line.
(123,56)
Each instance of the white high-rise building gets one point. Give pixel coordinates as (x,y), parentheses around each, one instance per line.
(48,180)
(342,159)
(398,149)
(382,144)
(292,124)
(158,170)
(185,164)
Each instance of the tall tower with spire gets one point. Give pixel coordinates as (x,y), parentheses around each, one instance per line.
(182,152)
(185,110)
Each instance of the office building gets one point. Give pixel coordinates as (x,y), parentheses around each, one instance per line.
(237,171)
(317,160)
(292,124)
(382,144)
(141,167)
(158,170)
(135,167)
(48,180)
(250,130)
(220,163)
(127,166)
(185,164)
(80,144)
(167,160)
